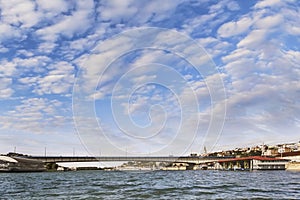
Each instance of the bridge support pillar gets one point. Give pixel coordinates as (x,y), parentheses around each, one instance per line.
(190,166)
(51,166)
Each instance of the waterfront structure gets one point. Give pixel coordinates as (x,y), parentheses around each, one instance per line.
(50,162)
(176,166)
(252,163)
(293,156)
(20,164)
(293,166)
(171,159)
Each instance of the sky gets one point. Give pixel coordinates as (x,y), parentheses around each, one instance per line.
(135,77)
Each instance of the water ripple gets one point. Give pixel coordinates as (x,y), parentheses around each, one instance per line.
(151,185)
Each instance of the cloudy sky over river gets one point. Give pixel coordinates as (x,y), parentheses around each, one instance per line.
(148,77)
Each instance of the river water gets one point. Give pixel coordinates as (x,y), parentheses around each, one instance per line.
(151,185)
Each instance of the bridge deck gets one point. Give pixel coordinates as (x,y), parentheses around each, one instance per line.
(183,159)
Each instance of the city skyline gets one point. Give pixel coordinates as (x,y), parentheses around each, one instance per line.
(148,77)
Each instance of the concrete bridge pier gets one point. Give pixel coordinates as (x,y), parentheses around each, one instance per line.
(190,166)
(51,166)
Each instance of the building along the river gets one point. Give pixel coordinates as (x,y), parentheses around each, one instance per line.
(251,163)
(292,156)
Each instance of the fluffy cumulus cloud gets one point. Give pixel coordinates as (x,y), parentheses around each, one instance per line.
(58,80)
(263,75)
(53,9)
(235,28)
(136,12)
(35,115)
(68,25)
(5,89)
(48,46)
(19,13)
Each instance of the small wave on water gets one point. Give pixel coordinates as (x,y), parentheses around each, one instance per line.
(151,185)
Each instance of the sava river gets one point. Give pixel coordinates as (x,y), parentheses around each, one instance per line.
(151,185)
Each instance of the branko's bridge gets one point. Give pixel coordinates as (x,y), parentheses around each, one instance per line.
(181,159)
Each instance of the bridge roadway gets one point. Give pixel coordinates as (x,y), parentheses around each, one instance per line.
(181,159)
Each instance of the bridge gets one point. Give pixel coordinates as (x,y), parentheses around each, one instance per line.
(181,159)
(20,162)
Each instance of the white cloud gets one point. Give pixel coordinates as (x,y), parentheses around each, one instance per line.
(253,39)
(8,32)
(260,101)
(293,30)
(7,68)
(19,13)
(240,68)
(293,56)
(58,80)
(292,21)
(87,42)
(68,24)
(269,22)
(35,64)
(116,10)
(6,93)
(35,115)
(53,7)
(268,3)
(236,54)
(247,44)
(235,28)
(213,46)
(3,49)
(233,6)
(47,47)
(133,12)
(5,88)
(163,9)
(38,74)
(261,78)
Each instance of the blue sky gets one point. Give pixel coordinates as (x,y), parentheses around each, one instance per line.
(148,77)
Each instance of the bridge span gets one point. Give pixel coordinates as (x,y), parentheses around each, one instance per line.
(181,159)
